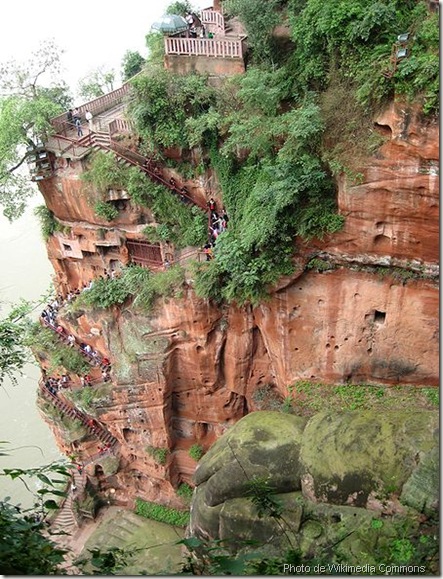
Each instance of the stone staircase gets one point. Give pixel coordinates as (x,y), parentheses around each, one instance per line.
(65,522)
(70,410)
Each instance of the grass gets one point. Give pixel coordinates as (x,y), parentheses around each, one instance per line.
(185,491)
(161,514)
(196,452)
(307,398)
(160,455)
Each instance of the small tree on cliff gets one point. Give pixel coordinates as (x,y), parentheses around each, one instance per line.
(30,95)
(97,83)
(132,64)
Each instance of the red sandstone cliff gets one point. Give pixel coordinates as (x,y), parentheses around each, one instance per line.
(185,372)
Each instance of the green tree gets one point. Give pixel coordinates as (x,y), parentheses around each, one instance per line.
(13,351)
(156,48)
(259,19)
(31,94)
(97,83)
(180,8)
(132,64)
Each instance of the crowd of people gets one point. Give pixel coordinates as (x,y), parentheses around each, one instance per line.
(218,224)
(56,383)
(74,119)
(49,319)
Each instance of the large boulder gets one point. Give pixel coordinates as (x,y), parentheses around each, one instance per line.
(349,482)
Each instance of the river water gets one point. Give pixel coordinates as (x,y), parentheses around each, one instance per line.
(25,271)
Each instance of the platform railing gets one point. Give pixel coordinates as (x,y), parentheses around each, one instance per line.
(211,17)
(208,47)
(95,106)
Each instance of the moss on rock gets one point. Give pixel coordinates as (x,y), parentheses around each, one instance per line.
(351,467)
(351,454)
(253,448)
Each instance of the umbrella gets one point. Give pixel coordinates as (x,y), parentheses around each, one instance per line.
(170,24)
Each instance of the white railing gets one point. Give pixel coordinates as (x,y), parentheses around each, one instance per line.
(215,47)
(210,17)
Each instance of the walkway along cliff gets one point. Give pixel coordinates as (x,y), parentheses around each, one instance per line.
(362,307)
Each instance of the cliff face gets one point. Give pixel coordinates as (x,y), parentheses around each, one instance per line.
(394,212)
(188,370)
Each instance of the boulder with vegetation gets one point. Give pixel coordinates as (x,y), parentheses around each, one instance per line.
(355,487)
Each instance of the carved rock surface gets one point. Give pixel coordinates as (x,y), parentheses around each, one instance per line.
(352,467)
(187,371)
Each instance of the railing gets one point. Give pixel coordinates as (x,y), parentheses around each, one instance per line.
(119,126)
(191,254)
(209,17)
(90,423)
(95,106)
(209,47)
(63,337)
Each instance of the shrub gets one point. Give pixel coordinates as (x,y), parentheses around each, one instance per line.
(105,293)
(136,282)
(106,210)
(160,455)
(162,514)
(319,264)
(49,225)
(105,172)
(185,491)
(196,451)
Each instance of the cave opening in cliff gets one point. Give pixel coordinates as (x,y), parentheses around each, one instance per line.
(98,471)
(379,317)
(128,434)
(384,130)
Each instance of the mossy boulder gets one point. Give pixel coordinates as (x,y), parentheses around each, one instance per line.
(350,484)
(351,456)
(252,448)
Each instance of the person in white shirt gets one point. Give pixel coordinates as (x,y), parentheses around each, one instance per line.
(88,117)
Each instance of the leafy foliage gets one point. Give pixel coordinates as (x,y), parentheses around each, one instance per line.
(110,562)
(161,513)
(156,49)
(196,451)
(259,19)
(181,224)
(359,38)
(162,104)
(262,495)
(45,344)
(185,492)
(180,7)
(13,353)
(136,282)
(160,455)
(132,64)
(97,83)
(106,210)
(25,549)
(104,172)
(49,225)
(31,95)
